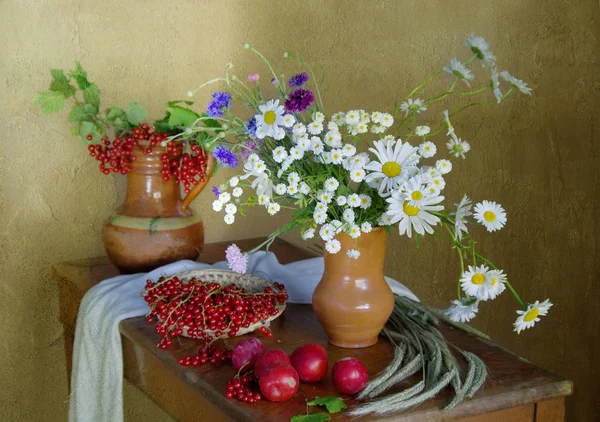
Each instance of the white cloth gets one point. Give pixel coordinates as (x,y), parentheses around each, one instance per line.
(97,376)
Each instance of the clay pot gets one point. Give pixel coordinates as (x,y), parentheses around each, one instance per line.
(154,225)
(353,301)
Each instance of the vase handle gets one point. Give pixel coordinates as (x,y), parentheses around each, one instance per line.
(210,163)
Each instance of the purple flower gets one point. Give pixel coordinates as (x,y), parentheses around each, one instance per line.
(253,77)
(221,102)
(250,127)
(216,191)
(236,260)
(225,157)
(251,146)
(274,81)
(299,100)
(298,80)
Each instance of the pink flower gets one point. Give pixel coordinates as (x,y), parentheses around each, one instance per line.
(237,261)
(253,77)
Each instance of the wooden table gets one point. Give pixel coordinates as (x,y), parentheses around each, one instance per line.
(515,391)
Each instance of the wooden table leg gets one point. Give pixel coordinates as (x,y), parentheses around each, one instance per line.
(550,410)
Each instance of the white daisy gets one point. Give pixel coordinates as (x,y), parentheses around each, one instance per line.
(280,189)
(438,182)
(304,188)
(462,311)
(292,189)
(376,116)
(496,85)
(341,200)
(498,283)
(234,181)
(413,106)
(353,253)
(273,208)
(414,192)
(366,227)
(229,218)
(359,160)
(528,318)
(348,150)
(237,192)
(293,178)
(279,154)
(378,129)
(476,282)
(332,126)
(263,200)
(338,225)
(319,217)
(427,149)
(289,120)
(318,116)
(348,215)
(517,83)
(491,215)
(315,128)
(410,217)
(230,209)
(443,166)
(333,246)
(321,207)
(458,147)
(459,70)
(325,197)
(217,205)
(298,129)
(296,153)
(394,167)
(327,232)
(385,220)
(352,117)
(365,201)
(357,175)
(304,144)
(331,184)
(389,138)
(386,120)
(336,156)
(422,130)
(354,231)
(354,200)
(338,118)
(224,197)
(270,119)
(463,210)
(481,48)
(316,145)
(308,234)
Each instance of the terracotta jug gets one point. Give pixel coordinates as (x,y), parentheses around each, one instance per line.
(353,300)
(154,225)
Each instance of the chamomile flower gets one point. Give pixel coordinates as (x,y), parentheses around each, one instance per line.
(348,150)
(528,318)
(280,189)
(298,129)
(331,184)
(332,126)
(385,220)
(481,48)
(352,117)
(389,138)
(230,209)
(318,117)
(365,201)
(237,192)
(366,227)
(386,120)
(320,217)
(394,166)
(516,83)
(459,70)
(378,129)
(422,130)
(333,246)
(292,190)
(462,310)
(463,210)
(359,160)
(348,215)
(304,188)
(316,145)
(327,232)
(357,175)
(321,207)
(263,199)
(354,231)
(443,166)
(376,117)
(263,185)
(476,282)
(270,119)
(496,85)
(338,118)
(304,144)
(293,178)
(217,205)
(229,218)
(288,120)
(491,215)
(279,154)
(308,234)
(336,156)
(414,192)
(234,181)
(438,182)
(315,128)
(225,197)
(427,149)
(325,196)
(417,218)
(354,200)
(341,201)
(413,106)
(353,253)
(296,153)
(497,282)
(458,147)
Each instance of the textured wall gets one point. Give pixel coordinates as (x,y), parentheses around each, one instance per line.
(537,156)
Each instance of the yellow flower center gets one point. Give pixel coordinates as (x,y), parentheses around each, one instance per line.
(416,195)
(270,117)
(489,216)
(494,280)
(531,315)
(391,169)
(410,210)
(478,278)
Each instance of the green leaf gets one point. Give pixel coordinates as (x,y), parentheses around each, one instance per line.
(121,123)
(114,112)
(61,84)
(186,102)
(74,131)
(50,101)
(80,77)
(88,128)
(91,95)
(332,403)
(315,417)
(77,113)
(135,113)
(90,109)
(164,126)
(210,122)
(181,116)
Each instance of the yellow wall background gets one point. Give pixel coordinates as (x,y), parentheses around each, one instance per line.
(537,156)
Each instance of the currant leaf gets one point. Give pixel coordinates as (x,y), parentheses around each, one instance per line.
(332,404)
(91,95)
(135,113)
(61,84)
(180,116)
(315,417)
(114,112)
(80,77)
(50,101)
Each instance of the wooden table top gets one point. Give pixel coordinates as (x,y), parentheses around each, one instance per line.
(512,381)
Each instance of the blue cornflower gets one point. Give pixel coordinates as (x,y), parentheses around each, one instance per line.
(216,191)
(298,80)
(250,127)
(225,157)
(221,102)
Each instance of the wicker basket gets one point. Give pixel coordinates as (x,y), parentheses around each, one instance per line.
(249,282)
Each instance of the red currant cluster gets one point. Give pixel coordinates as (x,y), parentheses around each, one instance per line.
(243,388)
(185,170)
(114,157)
(208,354)
(207,311)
